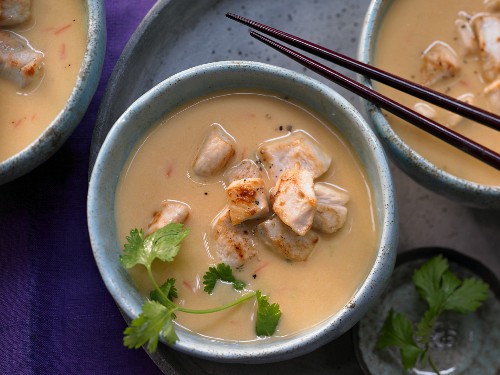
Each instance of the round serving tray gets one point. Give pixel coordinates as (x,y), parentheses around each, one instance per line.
(178,34)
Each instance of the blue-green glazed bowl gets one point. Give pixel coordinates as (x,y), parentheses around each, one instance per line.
(412,163)
(201,81)
(69,117)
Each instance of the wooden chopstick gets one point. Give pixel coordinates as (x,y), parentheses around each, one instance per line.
(442,100)
(455,139)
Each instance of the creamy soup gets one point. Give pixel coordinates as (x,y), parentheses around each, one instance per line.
(408,29)
(160,168)
(57,29)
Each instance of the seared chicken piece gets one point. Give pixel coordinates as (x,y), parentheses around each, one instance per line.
(454,118)
(331,212)
(285,153)
(492,91)
(247,199)
(425,110)
(466,37)
(170,212)
(13,12)
(487,28)
(18,61)
(285,241)
(492,5)
(294,200)
(245,169)
(439,61)
(234,243)
(215,152)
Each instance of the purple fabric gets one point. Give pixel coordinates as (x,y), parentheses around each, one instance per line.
(56,316)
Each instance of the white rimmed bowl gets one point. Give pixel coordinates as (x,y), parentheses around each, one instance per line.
(56,133)
(201,81)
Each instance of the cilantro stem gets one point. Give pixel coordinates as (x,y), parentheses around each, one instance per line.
(193,311)
(155,284)
(219,308)
(433,366)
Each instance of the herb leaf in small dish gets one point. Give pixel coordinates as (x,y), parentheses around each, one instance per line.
(443,291)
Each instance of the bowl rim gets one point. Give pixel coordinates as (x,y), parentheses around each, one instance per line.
(65,122)
(411,162)
(275,350)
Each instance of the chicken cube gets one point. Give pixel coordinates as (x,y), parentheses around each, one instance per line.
(298,148)
(294,200)
(438,61)
(247,199)
(425,110)
(492,5)
(454,119)
(215,152)
(284,241)
(331,212)
(13,12)
(487,28)
(245,169)
(466,37)
(234,243)
(492,92)
(170,212)
(19,62)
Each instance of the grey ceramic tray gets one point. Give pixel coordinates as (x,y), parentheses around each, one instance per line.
(179,34)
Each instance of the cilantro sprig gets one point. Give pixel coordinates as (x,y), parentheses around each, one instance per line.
(443,291)
(159,311)
(221,272)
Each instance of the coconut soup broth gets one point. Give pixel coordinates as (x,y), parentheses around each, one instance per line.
(408,28)
(307,292)
(58,29)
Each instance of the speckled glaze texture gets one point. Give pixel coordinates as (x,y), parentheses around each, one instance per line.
(200,81)
(465,344)
(412,163)
(66,121)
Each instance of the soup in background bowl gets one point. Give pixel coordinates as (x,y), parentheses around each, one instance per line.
(62,45)
(152,154)
(411,38)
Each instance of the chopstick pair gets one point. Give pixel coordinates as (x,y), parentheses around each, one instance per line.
(455,139)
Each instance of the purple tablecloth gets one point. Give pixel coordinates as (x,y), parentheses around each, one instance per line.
(56,316)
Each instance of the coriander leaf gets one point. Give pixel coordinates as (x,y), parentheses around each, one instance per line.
(428,279)
(443,290)
(268,316)
(155,320)
(221,272)
(426,325)
(398,331)
(468,297)
(168,289)
(163,244)
(132,249)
